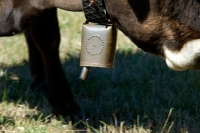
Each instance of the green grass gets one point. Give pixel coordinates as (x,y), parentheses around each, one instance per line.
(139,91)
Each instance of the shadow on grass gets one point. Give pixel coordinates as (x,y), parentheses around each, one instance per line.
(139,89)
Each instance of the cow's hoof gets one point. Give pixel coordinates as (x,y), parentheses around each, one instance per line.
(80,115)
(75,113)
(78,119)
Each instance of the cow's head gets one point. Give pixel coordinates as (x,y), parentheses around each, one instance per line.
(14,14)
(167,28)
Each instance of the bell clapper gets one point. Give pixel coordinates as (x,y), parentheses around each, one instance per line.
(84,73)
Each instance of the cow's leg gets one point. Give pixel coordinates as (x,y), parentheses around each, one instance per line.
(36,64)
(44,31)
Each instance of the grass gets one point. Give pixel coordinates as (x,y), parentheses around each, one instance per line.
(139,95)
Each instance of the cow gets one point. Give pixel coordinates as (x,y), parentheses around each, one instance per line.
(167,28)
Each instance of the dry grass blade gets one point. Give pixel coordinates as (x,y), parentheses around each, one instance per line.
(121,128)
(170,112)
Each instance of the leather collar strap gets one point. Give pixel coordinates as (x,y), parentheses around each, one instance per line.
(95,11)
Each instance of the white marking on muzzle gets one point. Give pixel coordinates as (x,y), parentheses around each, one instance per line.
(187,58)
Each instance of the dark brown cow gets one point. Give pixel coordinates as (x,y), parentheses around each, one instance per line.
(167,28)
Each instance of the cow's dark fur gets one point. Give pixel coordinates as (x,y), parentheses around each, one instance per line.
(150,24)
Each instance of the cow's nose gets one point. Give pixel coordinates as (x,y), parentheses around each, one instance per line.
(186,58)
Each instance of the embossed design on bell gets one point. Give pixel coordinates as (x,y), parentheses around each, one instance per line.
(94,45)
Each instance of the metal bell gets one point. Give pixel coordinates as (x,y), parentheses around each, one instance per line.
(98,47)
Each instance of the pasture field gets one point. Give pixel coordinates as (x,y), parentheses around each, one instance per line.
(140,95)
